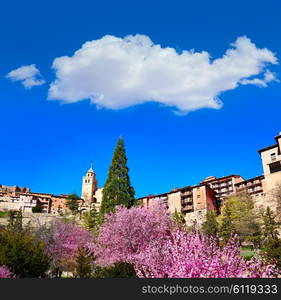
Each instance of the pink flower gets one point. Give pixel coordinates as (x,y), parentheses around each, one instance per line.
(63,242)
(149,239)
(5,272)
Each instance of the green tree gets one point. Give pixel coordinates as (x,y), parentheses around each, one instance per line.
(226,227)
(269,226)
(210,226)
(84,264)
(23,253)
(15,220)
(118,270)
(239,216)
(117,189)
(73,203)
(91,220)
(271,243)
(179,219)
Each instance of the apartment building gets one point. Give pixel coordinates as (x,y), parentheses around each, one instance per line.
(271,162)
(223,186)
(15,198)
(254,186)
(192,201)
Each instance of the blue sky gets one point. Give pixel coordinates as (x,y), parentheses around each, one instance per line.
(48,145)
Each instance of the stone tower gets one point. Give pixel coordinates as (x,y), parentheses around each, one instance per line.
(89,186)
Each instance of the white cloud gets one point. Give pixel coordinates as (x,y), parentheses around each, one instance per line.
(28,75)
(119,72)
(268,77)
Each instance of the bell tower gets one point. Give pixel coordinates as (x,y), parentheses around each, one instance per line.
(89,186)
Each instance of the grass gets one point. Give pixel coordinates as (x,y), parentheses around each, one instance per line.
(247,252)
(3,214)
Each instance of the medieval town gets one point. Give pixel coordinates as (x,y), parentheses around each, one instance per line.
(192,201)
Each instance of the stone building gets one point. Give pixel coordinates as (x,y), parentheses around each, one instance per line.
(192,201)
(271,162)
(12,198)
(91,194)
(89,187)
(223,186)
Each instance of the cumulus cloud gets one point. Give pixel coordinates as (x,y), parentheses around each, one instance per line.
(268,77)
(28,75)
(119,72)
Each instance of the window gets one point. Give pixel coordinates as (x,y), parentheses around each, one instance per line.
(275,167)
(198,196)
(273,156)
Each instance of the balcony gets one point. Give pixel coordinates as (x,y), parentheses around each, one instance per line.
(186,194)
(186,201)
(187,208)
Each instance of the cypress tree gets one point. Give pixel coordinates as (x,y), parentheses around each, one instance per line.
(210,226)
(270,226)
(226,228)
(271,246)
(117,189)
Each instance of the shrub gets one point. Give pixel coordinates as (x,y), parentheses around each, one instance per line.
(117,270)
(84,263)
(23,254)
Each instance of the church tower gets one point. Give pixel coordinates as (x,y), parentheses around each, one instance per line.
(89,186)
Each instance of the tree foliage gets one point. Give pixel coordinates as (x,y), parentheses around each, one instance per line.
(179,219)
(73,202)
(239,216)
(271,243)
(15,220)
(210,226)
(91,220)
(84,263)
(63,241)
(23,254)
(117,270)
(118,189)
(130,231)
(150,240)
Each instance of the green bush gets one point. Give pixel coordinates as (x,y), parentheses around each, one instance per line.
(3,214)
(23,253)
(118,270)
(84,264)
(247,252)
(271,250)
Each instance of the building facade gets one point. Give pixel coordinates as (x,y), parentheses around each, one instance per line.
(13,198)
(192,201)
(271,162)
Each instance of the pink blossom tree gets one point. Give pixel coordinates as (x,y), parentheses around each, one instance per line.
(148,239)
(5,272)
(63,241)
(192,255)
(128,232)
